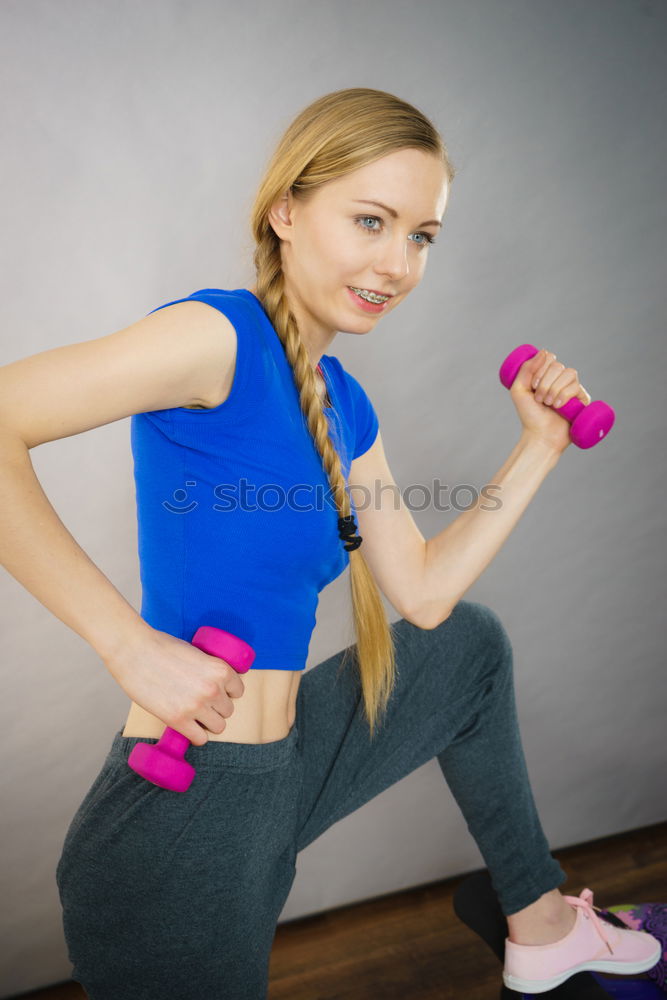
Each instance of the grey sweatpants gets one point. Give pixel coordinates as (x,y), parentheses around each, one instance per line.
(177,895)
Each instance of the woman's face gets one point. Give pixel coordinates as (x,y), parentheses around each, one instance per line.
(336,239)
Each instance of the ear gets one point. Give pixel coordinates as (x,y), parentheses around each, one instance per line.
(280,215)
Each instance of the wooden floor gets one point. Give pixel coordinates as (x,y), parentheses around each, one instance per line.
(411,945)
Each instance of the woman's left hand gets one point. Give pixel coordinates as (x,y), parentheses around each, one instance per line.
(542,386)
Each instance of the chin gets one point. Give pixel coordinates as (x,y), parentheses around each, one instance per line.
(368,328)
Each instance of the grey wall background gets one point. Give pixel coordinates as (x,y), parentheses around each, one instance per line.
(134,135)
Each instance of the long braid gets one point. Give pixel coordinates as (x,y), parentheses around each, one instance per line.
(270,285)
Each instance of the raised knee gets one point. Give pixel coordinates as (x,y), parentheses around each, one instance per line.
(483,624)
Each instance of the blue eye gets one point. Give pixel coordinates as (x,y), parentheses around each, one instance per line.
(430,240)
(374,218)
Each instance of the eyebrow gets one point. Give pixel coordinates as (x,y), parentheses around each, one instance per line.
(393,212)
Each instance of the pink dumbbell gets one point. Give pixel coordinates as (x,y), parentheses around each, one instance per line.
(163,762)
(589,424)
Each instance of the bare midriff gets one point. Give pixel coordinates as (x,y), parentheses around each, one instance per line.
(265,712)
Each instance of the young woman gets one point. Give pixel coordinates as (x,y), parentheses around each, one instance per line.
(168,894)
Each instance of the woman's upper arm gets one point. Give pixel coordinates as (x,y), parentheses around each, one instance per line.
(180,355)
(393,545)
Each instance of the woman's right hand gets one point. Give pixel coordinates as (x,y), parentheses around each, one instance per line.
(183,686)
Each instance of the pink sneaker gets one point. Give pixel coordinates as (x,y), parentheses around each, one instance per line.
(593,945)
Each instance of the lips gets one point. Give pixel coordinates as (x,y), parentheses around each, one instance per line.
(366,304)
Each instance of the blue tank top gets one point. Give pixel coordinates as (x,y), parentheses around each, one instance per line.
(237,527)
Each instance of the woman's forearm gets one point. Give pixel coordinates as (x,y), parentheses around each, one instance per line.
(457,556)
(39,552)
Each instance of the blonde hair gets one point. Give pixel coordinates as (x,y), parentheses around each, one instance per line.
(336,134)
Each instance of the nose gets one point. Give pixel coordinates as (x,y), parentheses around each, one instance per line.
(393,260)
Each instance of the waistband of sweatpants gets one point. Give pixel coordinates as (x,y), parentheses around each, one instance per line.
(217,754)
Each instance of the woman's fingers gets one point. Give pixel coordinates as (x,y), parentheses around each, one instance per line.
(541,361)
(554,384)
(557,378)
(549,371)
